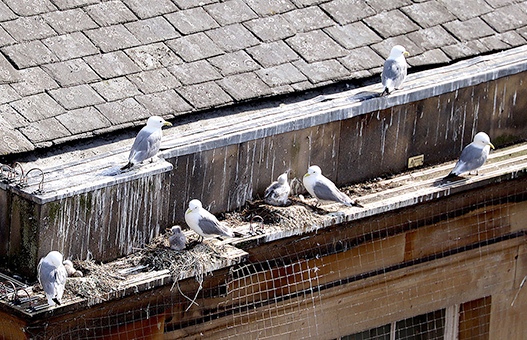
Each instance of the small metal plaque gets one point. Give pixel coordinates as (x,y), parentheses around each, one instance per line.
(416,161)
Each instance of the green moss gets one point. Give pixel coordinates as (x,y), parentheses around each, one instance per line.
(505,140)
(53,211)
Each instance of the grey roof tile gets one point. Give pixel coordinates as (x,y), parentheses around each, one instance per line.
(113,64)
(316,46)
(192,20)
(152,9)
(112,38)
(392,23)
(5,38)
(110,13)
(167,103)
(116,88)
(76,96)
(271,28)
(384,5)
(511,38)
(71,20)
(363,58)
(152,30)
(500,3)
(67,4)
(430,57)
(244,86)
(466,9)
(273,53)
(464,49)
(154,80)
(28,28)
(30,7)
(37,107)
(6,13)
(230,12)
(71,72)
(233,63)
(428,14)
(70,46)
(305,3)
(280,75)
(205,95)
(322,71)
(153,56)
(8,74)
(185,4)
(197,72)
(123,111)
(44,130)
(33,80)
(348,11)
(11,117)
(7,94)
(353,35)
(470,29)
(432,37)
(233,37)
(12,141)
(507,18)
(270,7)
(493,43)
(83,120)
(384,47)
(194,47)
(308,19)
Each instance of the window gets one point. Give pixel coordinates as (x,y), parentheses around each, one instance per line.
(470,320)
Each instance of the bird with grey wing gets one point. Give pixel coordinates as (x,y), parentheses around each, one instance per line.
(146,144)
(177,240)
(204,223)
(52,277)
(394,70)
(473,155)
(278,192)
(323,189)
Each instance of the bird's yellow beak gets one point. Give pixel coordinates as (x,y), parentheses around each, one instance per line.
(188,211)
(406,53)
(492,146)
(307,174)
(167,123)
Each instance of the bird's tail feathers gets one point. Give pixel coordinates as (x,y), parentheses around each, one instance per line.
(127,166)
(56,301)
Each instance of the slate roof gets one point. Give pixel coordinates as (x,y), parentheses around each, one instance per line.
(72,69)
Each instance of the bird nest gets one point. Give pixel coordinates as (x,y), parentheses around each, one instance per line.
(100,280)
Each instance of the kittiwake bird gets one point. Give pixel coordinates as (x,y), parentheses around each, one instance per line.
(203,222)
(147,142)
(473,155)
(278,192)
(324,189)
(394,70)
(52,276)
(177,240)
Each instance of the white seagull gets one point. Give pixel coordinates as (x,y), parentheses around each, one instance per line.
(52,276)
(394,70)
(278,192)
(147,142)
(324,189)
(473,155)
(203,222)
(177,240)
